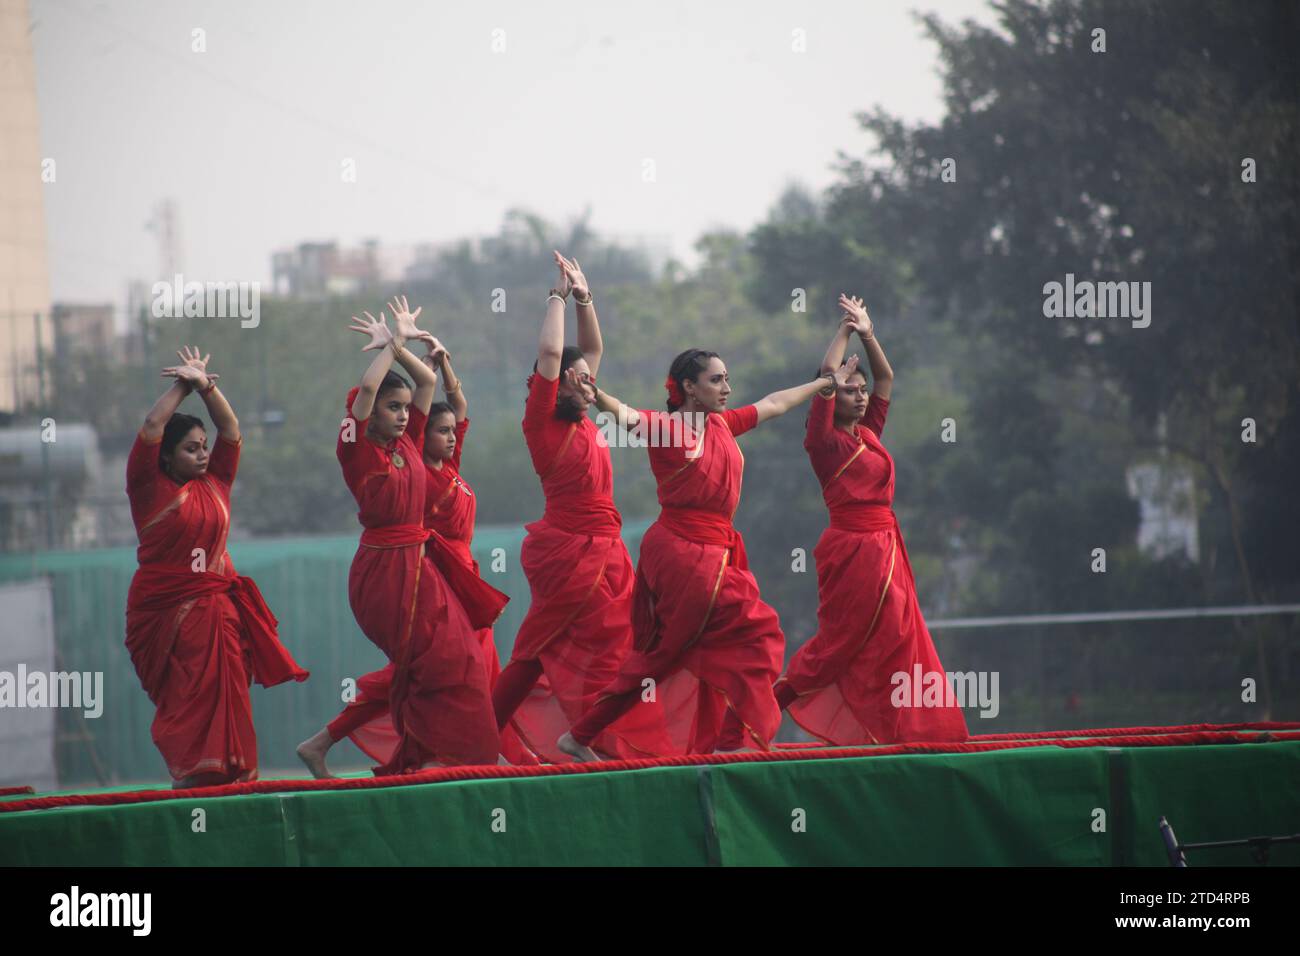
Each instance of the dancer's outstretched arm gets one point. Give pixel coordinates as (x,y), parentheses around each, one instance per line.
(882,375)
(628,417)
(589,340)
(778,403)
(425,379)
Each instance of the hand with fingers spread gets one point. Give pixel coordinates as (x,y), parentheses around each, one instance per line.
(377,329)
(572,274)
(192,358)
(404,319)
(855,315)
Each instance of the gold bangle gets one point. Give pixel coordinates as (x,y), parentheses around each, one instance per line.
(449,390)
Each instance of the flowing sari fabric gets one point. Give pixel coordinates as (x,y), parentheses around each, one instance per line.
(422,610)
(869,623)
(450,508)
(703,635)
(578,626)
(198,633)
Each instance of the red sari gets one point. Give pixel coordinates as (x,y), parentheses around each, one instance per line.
(869,620)
(578,626)
(422,610)
(450,508)
(197,632)
(702,632)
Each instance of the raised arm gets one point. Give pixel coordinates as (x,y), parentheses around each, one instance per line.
(439,359)
(163,409)
(882,375)
(381,338)
(778,403)
(835,351)
(589,340)
(550,346)
(424,377)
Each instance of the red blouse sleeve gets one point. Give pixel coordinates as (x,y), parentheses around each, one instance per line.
(224,460)
(416,421)
(360,456)
(540,407)
(741,420)
(462,427)
(142,463)
(821,420)
(874,419)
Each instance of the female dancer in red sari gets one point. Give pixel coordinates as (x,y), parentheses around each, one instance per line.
(841,683)
(577,630)
(197,632)
(450,508)
(422,610)
(704,638)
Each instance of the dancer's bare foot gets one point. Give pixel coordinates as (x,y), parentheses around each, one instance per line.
(576,750)
(312,752)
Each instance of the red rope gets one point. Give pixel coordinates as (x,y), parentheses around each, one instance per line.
(1257,734)
(1108,732)
(13,791)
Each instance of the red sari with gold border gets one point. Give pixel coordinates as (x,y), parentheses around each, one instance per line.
(578,625)
(702,632)
(869,623)
(198,633)
(438,699)
(450,509)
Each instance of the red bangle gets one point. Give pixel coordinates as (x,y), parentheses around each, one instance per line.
(211,386)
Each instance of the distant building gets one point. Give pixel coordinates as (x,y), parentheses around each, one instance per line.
(24,277)
(320,269)
(85,328)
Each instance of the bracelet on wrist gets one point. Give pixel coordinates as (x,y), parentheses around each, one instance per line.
(587,301)
(556,294)
(211,386)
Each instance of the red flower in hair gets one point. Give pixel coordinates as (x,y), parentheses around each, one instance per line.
(675,396)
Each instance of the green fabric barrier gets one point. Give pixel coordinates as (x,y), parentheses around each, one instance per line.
(304,581)
(1025,807)
(1005,808)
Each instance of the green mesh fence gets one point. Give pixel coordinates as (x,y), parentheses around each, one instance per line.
(304,581)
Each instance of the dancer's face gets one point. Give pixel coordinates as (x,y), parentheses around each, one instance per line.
(440,438)
(391,413)
(711,387)
(189,459)
(571,404)
(851,400)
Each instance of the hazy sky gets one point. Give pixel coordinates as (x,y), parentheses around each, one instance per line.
(250,136)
